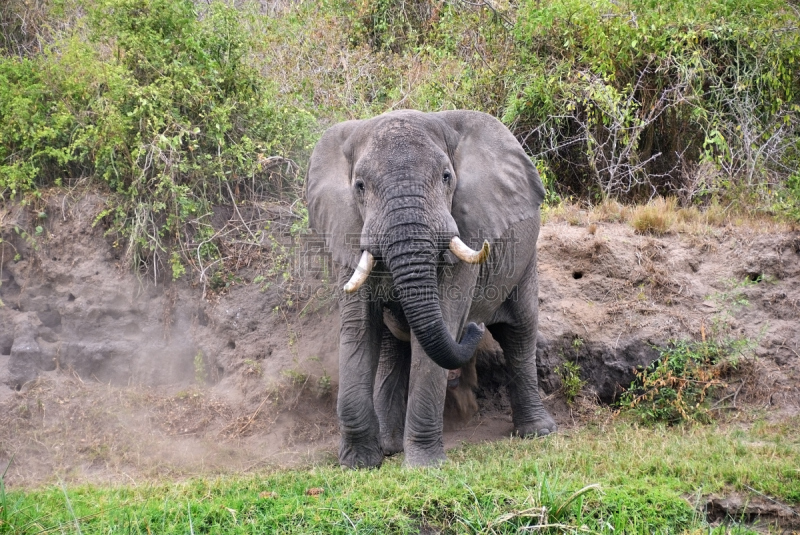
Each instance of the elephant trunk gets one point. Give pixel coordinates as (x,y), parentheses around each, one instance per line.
(412,262)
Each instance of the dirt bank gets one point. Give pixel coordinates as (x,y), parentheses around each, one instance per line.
(106,376)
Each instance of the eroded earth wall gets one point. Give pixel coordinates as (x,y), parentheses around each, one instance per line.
(608,299)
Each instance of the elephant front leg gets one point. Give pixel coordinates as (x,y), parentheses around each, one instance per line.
(391,391)
(424,445)
(359,349)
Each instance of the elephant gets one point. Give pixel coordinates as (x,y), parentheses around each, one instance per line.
(431,220)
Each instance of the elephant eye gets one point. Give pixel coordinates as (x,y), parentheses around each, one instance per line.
(446,176)
(360,186)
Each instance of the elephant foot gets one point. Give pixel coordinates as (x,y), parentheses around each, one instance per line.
(424,457)
(368,455)
(540,427)
(391,444)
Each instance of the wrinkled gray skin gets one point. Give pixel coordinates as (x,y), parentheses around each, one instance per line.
(400,186)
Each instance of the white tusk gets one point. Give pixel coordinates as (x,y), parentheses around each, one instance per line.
(470,256)
(361,273)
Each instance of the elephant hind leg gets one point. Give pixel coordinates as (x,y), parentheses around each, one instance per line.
(519,348)
(391,390)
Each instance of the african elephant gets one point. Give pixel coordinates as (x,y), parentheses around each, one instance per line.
(397,198)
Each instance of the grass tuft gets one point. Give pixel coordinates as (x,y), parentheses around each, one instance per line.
(655,218)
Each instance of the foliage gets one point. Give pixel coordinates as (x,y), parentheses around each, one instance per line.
(163,106)
(179,106)
(675,387)
(324,387)
(678,386)
(570,375)
(25,24)
(644,476)
(386,24)
(788,199)
(633,95)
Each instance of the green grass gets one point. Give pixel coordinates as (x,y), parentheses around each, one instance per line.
(650,480)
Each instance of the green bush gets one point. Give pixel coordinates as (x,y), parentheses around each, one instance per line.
(570,375)
(676,387)
(163,105)
(625,98)
(788,199)
(176,106)
(27,136)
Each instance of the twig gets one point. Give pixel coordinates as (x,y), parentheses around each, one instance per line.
(546,526)
(69,508)
(734,395)
(243,428)
(236,208)
(189,509)
(488,4)
(790,349)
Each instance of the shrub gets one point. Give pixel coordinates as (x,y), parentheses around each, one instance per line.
(675,388)
(24,25)
(175,106)
(570,375)
(788,200)
(161,104)
(625,99)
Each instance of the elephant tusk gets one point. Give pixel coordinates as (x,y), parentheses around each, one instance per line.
(361,273)
(470,256)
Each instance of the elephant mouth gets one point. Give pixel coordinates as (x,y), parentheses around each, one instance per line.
(460,249)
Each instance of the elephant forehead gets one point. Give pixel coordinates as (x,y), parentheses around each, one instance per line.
(400,143)
(404,136)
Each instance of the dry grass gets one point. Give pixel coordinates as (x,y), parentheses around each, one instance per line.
(662,216)
(654,218)
(350,79)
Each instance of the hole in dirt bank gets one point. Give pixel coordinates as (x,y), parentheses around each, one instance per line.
(231,344)
(70,297)
(577,275)
(50,318)
(754,276)
(5,350)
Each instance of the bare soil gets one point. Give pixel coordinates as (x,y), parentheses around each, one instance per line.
(106,376)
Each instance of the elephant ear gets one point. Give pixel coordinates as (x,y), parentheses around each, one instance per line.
(497,184)
(332,208)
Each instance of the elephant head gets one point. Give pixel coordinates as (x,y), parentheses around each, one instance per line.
(404,187)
